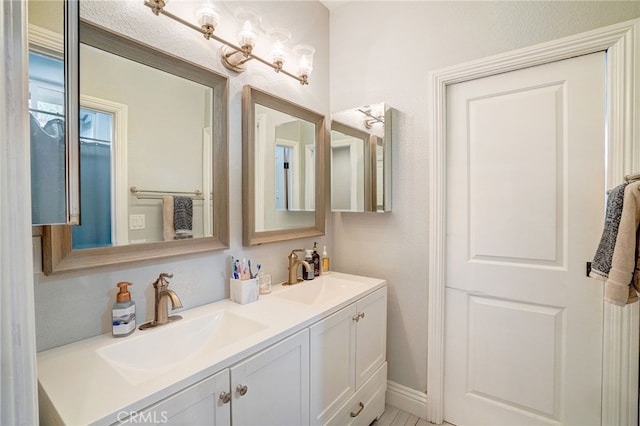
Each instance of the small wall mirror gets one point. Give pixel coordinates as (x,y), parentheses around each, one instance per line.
(153,157)
(283,169)
(52,110)
(361,141)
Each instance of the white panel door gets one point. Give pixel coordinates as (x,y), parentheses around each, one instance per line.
(525,175)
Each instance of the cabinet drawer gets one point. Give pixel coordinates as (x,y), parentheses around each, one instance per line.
(366,404)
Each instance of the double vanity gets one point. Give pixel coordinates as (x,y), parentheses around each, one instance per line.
(312,353)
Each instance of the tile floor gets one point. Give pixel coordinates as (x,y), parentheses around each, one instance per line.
(393,416)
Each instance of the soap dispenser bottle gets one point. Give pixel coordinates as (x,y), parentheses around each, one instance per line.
(308,274)
(325,261)
(316,260)
(123,315)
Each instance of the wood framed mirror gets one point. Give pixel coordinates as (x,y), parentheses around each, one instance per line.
(283,149)
(149,172)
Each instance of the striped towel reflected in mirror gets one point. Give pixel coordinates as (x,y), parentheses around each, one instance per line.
(183,217)
(177,218)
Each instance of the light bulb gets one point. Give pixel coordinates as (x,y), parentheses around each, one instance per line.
(278,54)
(305,61)
(247,37)
(207,16)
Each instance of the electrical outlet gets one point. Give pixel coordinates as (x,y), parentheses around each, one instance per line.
(136,222)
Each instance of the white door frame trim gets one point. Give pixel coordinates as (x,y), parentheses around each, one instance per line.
(621,41)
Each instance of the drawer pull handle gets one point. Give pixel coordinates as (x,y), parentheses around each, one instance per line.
(225,397)
(355,413)
(241,389)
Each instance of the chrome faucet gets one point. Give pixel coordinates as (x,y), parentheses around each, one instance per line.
(161,313)
(294,262)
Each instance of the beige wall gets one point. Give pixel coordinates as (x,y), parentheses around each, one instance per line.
(383,51)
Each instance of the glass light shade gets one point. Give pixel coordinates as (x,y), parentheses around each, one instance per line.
(305,59)
(247,37)
(278,53)
(207,15)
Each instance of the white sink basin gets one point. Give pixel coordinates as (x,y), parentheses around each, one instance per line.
(153,351)
(321,290)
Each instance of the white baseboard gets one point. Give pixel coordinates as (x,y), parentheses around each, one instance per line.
(407,399)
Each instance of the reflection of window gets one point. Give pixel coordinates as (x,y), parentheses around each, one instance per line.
(96,135)
(46,87)
(47,139)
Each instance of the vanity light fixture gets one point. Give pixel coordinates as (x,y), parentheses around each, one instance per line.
(235,56)
(373,114)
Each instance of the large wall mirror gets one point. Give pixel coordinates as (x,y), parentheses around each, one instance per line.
(53,110)
(153,157)
(283,169)
(361,141)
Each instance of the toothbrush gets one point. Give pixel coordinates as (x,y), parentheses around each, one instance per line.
(244,268)
(251,273)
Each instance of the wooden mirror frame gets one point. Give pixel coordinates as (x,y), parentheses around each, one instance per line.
(57,253)
(250,237)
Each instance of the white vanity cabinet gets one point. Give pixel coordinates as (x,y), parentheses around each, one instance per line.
(272,387)
(204,403)
(285,360)
(348,368)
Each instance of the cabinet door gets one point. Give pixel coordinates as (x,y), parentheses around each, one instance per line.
(272,387)
(332,344)
(371,334)
(198,405)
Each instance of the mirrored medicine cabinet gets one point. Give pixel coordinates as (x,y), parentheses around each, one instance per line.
(361,141)
(282,169)
(53,110)
(152,142)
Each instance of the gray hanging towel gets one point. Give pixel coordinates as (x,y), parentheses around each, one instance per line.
(183,217)
(601,264)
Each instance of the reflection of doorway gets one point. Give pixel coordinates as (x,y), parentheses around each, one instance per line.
(287,175)
(103,163)
(347,170)
(309,178)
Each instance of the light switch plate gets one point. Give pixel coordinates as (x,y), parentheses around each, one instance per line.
(136,222)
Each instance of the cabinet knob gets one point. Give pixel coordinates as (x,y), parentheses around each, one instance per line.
(241,389)
(225,397)
(358,411)
(357,317)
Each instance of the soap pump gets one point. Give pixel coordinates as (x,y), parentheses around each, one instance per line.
(123,315)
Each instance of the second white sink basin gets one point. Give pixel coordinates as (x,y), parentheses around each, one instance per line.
(320,290)
(153,351)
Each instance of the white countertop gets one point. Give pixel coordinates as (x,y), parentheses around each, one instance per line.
(85,389)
